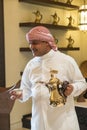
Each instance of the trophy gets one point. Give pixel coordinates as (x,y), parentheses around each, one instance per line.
(56,90)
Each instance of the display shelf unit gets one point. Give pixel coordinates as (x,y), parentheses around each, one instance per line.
(27,49)
(52,3)
(60,27)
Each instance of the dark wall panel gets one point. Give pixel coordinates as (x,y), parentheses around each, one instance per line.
(2,53)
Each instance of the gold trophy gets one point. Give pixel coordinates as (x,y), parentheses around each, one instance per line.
(56,90)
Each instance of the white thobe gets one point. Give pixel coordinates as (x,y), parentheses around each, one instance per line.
(45,117)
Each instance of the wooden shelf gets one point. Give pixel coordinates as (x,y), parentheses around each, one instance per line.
(52,3)
(61,27)
(27,49)
(69,49)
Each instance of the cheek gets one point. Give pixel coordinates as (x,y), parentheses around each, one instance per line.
(40,48)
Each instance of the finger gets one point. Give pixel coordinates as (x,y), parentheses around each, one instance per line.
(68,91)
(12,97)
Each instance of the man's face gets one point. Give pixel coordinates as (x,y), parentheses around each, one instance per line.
(39,48)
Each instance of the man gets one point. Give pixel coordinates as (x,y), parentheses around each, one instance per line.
(37,72)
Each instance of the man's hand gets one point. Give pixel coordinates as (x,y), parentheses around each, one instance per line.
(16,94)
(68,90)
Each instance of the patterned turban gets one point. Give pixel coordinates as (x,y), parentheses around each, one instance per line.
(41,33)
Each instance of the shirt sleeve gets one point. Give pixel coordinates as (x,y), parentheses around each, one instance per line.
(78,81)
(26,85)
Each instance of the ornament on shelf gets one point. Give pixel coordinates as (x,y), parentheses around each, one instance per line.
(71,21)
(39,16)
(69,2)
(70,42)
(56,40)
(56,18)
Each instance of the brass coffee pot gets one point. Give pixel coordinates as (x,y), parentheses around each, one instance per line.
(56,90)
(56,19)
(39,16)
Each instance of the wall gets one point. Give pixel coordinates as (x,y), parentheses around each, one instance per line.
(15,61)
(15,12)
(80,40)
